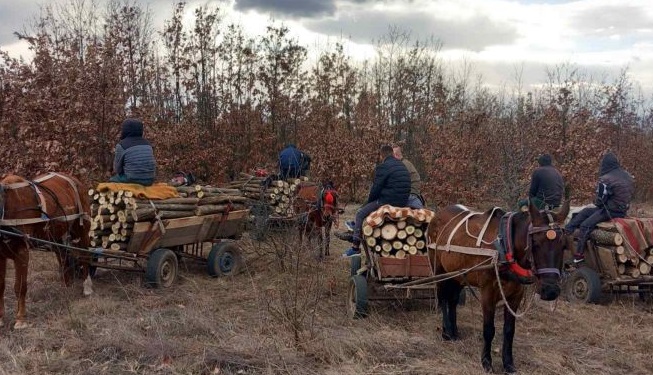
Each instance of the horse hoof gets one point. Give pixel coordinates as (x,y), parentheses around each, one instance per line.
(487,366)
(448,337)
(20,324)
(510,369)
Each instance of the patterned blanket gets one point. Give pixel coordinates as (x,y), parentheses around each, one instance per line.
(377,217)
(637,232)
(156,191)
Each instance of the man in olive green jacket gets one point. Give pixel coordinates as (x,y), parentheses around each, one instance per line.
(415,199)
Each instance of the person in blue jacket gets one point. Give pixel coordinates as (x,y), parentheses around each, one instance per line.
(293,162)
(134,160)
(391,186)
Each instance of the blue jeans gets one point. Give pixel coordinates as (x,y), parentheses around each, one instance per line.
(586,220)
(361,214)
(414,202)
(121,178)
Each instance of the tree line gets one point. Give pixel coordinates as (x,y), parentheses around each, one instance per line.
(217,102)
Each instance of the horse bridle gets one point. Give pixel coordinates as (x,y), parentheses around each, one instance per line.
(556,231)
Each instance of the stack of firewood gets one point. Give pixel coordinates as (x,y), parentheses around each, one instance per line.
(628,262)
(405,236)
(113,214)
(279,196)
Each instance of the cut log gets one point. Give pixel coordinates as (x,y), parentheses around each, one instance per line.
(644,268)
(368,230)
(405,247)
(622,258)
(420,244)
(412,250)
(632,272)
(606,238)
(386,246)
(215,208)
(378,248)
(149,214)
(401,224)
(621,268)
(401,234)
(222,198)
(649,259)
(376,233)
(400,254)
(116,246)
(411,240)
(389,231)
(418,232)
(370,241)
(397,245)
(410,229)
(385,254)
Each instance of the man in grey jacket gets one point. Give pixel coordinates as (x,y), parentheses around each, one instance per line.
(134,160)
(415,199)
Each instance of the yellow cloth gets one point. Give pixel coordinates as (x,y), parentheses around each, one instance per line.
(159,190)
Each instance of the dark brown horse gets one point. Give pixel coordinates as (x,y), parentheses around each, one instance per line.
(537,244)
(318,209)
(52,207)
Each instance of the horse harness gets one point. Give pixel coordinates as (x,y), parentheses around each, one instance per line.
(37,189)
(503,253)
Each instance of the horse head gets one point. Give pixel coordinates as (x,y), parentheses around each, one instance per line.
(544,248)
(328,200)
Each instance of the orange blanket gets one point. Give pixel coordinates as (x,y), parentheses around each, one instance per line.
(157,191)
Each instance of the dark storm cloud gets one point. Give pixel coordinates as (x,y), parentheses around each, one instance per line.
(291,8)
(474,34)
(612,20)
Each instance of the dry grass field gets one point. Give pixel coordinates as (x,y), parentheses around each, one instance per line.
(286,314)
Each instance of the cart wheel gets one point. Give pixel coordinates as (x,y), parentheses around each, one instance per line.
(162,268)
(355,265)
(584,285)
(358,297)
(224,260)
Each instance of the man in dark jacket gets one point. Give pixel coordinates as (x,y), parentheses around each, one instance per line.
(391,186)
(292,162)
(613,195)
(547,185)
(134,160)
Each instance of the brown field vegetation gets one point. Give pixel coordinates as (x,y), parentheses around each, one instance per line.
(285,317)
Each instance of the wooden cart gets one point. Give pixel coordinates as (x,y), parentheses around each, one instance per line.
(598,278)
(382,278)
(156,247)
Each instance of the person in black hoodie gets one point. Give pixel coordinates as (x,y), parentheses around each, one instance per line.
(391,186)
(614,192)
(134,160)
(547,185)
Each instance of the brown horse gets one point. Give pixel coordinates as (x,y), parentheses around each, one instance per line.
(318,209)
(53,207)
(537,244)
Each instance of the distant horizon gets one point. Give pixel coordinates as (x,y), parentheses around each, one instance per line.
(500,40)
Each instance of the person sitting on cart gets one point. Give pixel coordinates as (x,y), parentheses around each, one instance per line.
(293,163)
(134,160)
(391,186)
(614,192)
(415,199)
(547,186)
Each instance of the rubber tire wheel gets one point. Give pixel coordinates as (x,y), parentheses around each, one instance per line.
(358,297)
(355,265)
(162,268)
(584,285)
(224,260)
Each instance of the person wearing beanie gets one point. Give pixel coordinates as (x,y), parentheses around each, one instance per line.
(614,192)
(134,158)
(547,185)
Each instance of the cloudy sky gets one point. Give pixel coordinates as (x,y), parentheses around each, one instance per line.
(498,37)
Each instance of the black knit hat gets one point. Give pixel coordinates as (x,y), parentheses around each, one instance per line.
(544,159)
(131,127)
